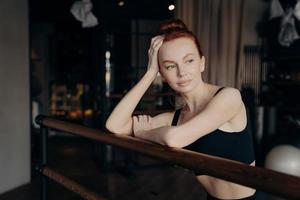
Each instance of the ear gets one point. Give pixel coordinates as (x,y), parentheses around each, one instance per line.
(202,63)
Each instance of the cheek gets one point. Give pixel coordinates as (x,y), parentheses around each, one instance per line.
(170,80)
(163,76)
(196,68)
(162,71)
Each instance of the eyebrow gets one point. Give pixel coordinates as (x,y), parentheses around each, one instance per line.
(182,58)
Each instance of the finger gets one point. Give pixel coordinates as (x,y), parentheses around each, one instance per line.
(149,119)
(140,118)
(154,49)
(145,117)
(158,37)
(150,51)
(135,119)
(157,42)
(157,46)
(134,125)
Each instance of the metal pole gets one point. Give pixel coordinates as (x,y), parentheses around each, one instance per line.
(43,161)
(43,156)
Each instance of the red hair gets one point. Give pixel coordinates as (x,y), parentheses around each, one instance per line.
(174,29)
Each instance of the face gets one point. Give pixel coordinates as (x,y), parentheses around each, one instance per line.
(180,64)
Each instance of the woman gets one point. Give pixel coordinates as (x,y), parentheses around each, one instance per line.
(214,117)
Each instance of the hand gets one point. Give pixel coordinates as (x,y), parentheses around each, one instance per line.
(156,43)
(141,123)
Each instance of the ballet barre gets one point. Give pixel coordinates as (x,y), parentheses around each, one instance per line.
(262,179)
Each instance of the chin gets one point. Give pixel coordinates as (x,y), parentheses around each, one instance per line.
(186,89)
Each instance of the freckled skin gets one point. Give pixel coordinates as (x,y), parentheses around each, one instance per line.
(180,62)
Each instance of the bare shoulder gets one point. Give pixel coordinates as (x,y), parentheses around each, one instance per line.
(230,95)
(226,102)
(231,99)
(230,91)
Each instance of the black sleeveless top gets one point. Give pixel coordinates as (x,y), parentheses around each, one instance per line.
(236,146)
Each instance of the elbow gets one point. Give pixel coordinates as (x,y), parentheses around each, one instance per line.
(172,141)
(107,125)
(111,128)
(173,144)
(114,129)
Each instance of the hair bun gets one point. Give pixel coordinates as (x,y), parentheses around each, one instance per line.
(173,25)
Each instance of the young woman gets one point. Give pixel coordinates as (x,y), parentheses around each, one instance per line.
(213,119)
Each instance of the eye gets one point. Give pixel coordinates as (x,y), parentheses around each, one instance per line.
(170,66)
(190,61)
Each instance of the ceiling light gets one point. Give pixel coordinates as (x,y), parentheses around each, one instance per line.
(121,3)
(171,7)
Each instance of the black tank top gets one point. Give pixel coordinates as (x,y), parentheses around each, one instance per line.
(236,146)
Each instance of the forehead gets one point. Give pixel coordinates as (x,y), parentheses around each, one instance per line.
(177,49)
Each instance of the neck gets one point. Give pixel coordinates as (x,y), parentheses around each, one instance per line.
(197,98)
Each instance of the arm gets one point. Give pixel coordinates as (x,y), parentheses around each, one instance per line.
(120,121)
(221,109)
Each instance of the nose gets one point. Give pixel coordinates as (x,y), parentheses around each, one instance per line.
(180,71)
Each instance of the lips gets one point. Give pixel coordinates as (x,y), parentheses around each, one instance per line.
(184,83)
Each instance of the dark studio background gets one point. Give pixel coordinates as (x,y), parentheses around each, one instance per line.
(67,70)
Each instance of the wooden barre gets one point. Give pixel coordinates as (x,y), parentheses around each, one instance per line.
(255,177)
(70,184)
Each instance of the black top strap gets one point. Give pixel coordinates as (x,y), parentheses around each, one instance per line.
(176,117)
(221,88)
(177,112)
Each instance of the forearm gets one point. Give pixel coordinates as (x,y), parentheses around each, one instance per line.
(171,136)
(120,120)
(162,135)
(154,135)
